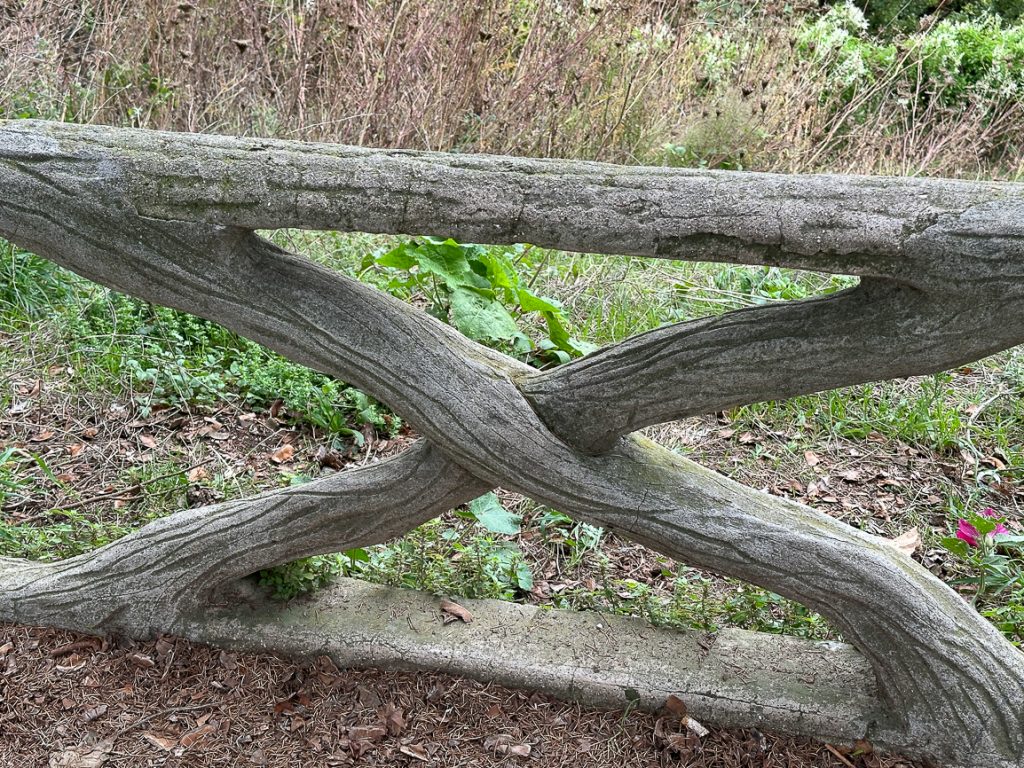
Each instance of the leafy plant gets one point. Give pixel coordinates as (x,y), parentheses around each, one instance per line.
(983,543)
(302,576)
(480,291)
(490,514)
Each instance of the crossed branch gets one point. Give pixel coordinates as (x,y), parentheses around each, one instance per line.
(170,218)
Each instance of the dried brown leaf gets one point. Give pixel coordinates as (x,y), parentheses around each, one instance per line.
(456,611)
(283,454)
(416,751)
(196,735)
(160,742)
(675,706)
(142,661)
(83,756)
(367,733)
(394,720)
(908,542)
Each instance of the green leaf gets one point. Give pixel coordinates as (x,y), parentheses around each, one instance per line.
(495,518)
(482,317)
(449,261)
(501,272)
(557,332)
(399,258)
(985,525)
(957,546)
(358,555)
(531,302)
(524,576)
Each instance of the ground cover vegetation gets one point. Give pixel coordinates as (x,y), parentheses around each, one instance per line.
(115,411)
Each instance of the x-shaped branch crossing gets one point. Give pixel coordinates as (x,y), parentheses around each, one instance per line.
(170,218)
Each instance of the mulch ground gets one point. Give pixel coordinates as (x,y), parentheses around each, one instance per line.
(70,701)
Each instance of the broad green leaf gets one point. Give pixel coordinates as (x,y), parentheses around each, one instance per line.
(398,258)
(481,317)
(449,261)
(957,546)
(556,331)
(985,525)
(357,555)
(500,270)
(531,302)
(524,576)
(495,518)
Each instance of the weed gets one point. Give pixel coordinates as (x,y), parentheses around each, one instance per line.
(72,533)
(481,291)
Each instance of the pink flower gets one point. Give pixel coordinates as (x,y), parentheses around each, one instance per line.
(967,532)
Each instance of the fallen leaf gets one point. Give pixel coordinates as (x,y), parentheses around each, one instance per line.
(520,750)
(6,648)
(196,735)
(852,475)
(160,742)
(31,390)
(675,706)
(695,726)
(40,437)
(142,661)
(455,612)
(90,433)
(84,756)
(94,713)
(747,438)
(416,751)
(148,440)
(197,473)
(367,733)
(811,458)
(76,449)
(907,542)
(394,720)
(283,454)
(496,742)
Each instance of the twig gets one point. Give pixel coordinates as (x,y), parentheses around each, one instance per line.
(839,756)
(169,711)
(79,645)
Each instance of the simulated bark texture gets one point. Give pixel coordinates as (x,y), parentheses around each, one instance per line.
(170,218)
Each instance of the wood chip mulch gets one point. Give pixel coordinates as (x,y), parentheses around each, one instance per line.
(70,701)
